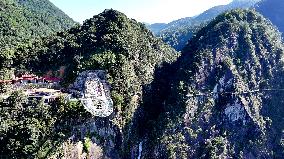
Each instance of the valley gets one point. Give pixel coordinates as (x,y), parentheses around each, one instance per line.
(209,86)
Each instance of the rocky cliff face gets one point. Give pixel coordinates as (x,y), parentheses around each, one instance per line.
(128,53)
(223,93)
(95,138)
(221,99)
(94,92)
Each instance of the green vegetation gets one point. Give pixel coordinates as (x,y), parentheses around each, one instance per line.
(50,18)
(33,129)
(110,41)
(239,56)
(218,99)
(178,32)
(25,21)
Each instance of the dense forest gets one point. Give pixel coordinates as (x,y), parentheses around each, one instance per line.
(221,96)
(226,96)
(25,21)
(33,129)
(50,18)
(178,32)
(108,41)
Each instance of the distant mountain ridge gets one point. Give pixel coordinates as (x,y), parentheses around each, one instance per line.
(178,32)
(220,97)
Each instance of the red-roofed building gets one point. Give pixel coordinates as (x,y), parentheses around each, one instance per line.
(31,78)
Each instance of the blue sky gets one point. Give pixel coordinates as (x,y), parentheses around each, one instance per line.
(150,11)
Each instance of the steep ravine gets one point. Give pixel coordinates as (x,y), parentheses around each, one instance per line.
(128,53)
(226,97)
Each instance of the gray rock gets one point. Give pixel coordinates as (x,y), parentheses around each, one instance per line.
(94,92)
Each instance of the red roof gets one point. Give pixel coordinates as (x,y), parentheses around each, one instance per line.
(33,77)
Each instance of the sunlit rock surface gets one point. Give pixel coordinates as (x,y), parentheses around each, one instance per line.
(93,90)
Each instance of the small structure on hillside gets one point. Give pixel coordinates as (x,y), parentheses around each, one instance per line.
(93,90)
(45,94)
(27,78)
(35,87)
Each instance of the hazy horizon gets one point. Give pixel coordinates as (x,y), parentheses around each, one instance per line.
(155,11)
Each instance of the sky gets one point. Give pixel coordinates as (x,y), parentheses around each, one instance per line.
(149,11)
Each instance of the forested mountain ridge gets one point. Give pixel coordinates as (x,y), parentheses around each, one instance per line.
(52,18)
(126,50)
(178,32)
(156,27)
(226,96)
(23,21)
(222,97)
(26,19)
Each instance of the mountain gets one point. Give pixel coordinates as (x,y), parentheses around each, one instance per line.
(225,95)
(157,27)
(126,50)
(23,21)
(222,97)
(51,18)
(272,9)
(178,32)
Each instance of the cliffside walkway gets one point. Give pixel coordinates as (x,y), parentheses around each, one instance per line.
(212,94)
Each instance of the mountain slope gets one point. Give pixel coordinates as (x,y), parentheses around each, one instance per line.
(156,27)
(51,17)
(24,21)
(126,50)
(178,32)
(226,97)
(273,10)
